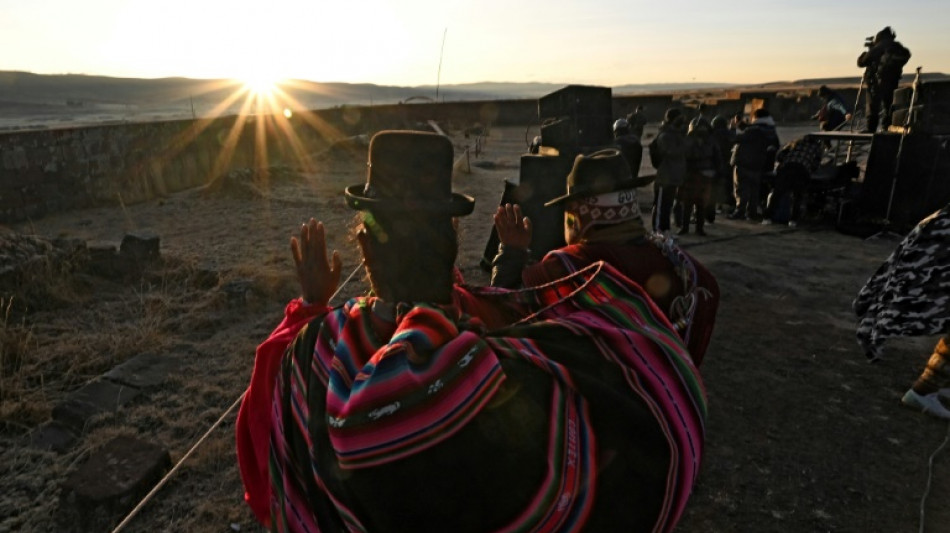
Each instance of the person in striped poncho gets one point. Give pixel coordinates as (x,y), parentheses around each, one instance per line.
(434,406)
(602,223)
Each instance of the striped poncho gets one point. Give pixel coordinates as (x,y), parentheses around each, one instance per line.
(588,413)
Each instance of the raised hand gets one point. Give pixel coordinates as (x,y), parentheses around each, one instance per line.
(318,276)
(514,229)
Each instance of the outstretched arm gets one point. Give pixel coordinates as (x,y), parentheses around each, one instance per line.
(319,278)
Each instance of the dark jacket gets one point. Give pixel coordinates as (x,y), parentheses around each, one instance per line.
(632,151)
(637,122)
(724,138)
(672,171)
(884,61)
(833,111)
(702,155)
(756,146)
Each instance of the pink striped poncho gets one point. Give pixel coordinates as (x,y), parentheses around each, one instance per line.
(586,414)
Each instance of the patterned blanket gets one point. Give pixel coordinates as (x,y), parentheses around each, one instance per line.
(909,295)
(588,413)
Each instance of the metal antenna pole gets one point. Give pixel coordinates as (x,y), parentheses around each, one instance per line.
(854,112)
(897,161)
(900,146)
(438,76)
(857,101)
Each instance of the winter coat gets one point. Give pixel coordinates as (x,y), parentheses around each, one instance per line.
(756,146)
(884,62)
(632,151)
(672,171)
(702,155)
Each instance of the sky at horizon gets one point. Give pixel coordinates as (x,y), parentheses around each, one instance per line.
(419,42)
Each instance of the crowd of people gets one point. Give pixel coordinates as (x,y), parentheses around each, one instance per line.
(704,167)
(739,168)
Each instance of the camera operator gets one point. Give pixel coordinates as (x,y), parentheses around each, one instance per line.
(883,63)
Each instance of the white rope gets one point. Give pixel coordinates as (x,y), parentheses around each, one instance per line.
(347,280)
(930,475)
(175,468)
(128,518)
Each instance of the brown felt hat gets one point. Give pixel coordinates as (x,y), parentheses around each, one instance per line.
(598,173)
(409,171)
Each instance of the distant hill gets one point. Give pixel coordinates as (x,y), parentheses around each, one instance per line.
(853,81)
(56,89)
(45,89)
(41,100)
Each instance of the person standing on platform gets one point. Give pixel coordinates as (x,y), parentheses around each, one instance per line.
(883,64)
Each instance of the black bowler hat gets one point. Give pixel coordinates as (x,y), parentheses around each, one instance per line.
(598,173)
(409,172)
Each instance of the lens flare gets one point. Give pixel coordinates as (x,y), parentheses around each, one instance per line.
(261,84)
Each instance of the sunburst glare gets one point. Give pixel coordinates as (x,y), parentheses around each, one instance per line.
(262,85)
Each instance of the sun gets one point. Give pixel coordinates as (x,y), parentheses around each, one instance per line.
(261,84)
(263,91)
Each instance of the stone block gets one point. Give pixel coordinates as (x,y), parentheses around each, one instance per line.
(97,397)
(104,259)
(236,290)
(144,370)
(101,249)
(205,276)
(53,436)
(110,484)
(141,248)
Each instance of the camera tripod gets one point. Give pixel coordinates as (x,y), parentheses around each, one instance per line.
(886,229)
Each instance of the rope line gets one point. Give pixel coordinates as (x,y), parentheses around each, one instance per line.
(930,475)
(135,511)
(175,468)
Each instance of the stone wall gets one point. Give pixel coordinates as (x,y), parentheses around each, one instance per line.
(60,169)
(51,170)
